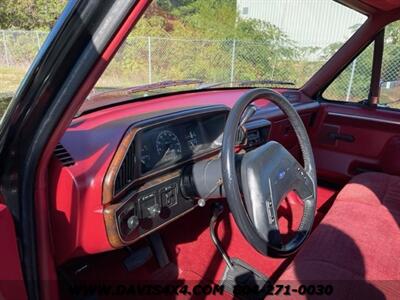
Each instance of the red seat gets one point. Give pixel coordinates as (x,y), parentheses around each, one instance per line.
(356,248)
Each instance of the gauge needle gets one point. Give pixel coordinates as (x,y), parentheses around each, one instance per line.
(168,151)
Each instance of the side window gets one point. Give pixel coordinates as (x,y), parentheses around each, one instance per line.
(390,75)
(353,84)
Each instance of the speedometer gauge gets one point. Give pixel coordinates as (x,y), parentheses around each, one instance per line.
(168,145)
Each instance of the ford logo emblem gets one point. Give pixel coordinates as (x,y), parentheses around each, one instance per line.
(281,175)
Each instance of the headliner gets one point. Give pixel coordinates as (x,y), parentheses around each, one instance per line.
(372,6)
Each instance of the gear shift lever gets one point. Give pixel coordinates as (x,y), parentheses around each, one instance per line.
(237,272)
(218,209)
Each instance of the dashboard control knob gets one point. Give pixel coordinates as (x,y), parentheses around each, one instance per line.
(132,222)
(154,210)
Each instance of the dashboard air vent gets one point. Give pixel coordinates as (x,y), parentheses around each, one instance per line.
(63,155)
(126,172)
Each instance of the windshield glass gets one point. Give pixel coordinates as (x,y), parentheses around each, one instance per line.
(199,44)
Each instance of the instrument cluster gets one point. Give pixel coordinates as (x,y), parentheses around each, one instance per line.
(166,144)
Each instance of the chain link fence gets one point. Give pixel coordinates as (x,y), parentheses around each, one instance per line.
(18,48)
(17,51)
(151,59)
(142,60)
(353,84)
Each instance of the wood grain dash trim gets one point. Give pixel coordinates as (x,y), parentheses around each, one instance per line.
(109,180)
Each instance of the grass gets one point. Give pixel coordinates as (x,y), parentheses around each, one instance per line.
(391,95)
(10,77)
(4,100)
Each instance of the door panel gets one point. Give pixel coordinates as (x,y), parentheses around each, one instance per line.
(351,139)
(283,132)
(11,280)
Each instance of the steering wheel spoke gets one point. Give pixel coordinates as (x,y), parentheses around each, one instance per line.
(304,186)
(268,174)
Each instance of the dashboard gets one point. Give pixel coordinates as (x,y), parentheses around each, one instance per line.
(116,175)
(142,188)
(162,143)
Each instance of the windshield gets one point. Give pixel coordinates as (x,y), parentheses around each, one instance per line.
(200,44)
(194,44)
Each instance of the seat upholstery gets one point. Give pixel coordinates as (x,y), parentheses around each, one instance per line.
(356,248)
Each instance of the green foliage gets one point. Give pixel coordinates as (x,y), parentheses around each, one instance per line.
(220,43)
(391,58)
(261,49)
(29,14)
(392,33)
(331,49)
(391,63)
(359,80)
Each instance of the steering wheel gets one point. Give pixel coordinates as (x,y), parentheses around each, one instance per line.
(267,174)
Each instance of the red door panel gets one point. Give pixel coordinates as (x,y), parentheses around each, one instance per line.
(351,139)
(11,280)
(283,132)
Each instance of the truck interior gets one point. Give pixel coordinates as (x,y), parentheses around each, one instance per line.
(245,184)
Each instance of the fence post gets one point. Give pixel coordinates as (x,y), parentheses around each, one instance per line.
(273,68)
(233,62)
(5,49)
(37,40)
(353,67)
(149,57)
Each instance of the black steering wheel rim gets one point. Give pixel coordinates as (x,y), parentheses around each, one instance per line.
(231,182)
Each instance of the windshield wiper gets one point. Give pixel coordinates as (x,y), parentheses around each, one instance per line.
(144,88)
(117,96)
(245,83)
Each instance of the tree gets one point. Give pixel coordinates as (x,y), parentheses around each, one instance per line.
(30,14)
(392,33)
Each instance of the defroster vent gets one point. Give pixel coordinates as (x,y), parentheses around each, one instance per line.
(63,155)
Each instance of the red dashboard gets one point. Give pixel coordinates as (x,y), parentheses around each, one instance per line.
(85,213)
